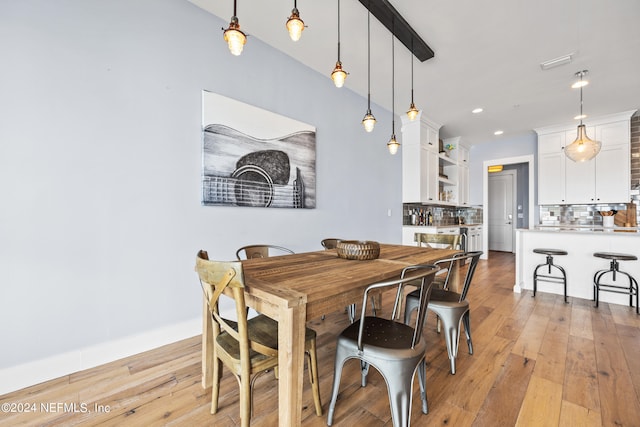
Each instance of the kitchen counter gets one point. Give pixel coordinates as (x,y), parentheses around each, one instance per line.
(633,231)
(579,263)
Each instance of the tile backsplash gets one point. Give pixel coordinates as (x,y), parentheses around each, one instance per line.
(576,214)
(444,215)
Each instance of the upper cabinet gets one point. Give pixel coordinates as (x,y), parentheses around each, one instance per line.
(419,160)
(604,179)
(431,176)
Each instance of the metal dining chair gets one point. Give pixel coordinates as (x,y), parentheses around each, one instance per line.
(451,308)
(395,349)
(261,251)
(247,347)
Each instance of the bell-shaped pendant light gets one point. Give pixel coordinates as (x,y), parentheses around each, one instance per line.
(583,148)
(295,25)
(369,121)
(338,75)
(233,36)
(413,111)
(393,143)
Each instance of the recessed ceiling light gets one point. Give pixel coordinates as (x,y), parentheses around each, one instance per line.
(498,132)
(476,110)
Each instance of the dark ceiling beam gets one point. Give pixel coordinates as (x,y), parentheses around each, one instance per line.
(395,23)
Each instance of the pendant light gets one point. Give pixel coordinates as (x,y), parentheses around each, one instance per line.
(368,121)
(295,25)
(233,36)
(338,75)
(393,144)
(583,148)
(413,111)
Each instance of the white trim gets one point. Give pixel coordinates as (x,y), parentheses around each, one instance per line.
(27,374)
(485,197)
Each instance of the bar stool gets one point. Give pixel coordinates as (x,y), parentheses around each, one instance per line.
(614,269)
(548,277)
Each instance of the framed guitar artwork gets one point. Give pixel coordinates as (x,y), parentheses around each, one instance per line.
(252,157)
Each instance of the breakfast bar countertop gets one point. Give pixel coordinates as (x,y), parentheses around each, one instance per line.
(582,229)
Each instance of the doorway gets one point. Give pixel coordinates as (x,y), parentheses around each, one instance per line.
(527,182)
(502,202)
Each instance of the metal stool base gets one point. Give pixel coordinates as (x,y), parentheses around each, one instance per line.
(548,277)
(614,270)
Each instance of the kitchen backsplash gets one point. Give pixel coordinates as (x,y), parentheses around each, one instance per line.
(443,215)
(577,214)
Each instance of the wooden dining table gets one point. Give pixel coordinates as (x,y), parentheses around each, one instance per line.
(293,289)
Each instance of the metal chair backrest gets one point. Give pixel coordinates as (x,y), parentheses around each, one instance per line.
(330,243)
(461,258)
(438,241)
(260,251)
(423,273)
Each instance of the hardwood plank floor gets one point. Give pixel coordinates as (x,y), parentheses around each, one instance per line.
(536,362)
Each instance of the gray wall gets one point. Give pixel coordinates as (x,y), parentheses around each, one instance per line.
(100,140)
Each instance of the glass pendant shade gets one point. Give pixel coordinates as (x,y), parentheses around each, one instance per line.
(583,148)
(295,25)
(413,112)
(368,121)
(234,37)
(393,144)
(338,75)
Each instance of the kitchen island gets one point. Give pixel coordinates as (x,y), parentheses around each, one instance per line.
(580,264)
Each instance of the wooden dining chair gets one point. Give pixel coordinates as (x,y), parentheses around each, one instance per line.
(452,308)
(438,241)
(247,347)
(395,349)
(261,251)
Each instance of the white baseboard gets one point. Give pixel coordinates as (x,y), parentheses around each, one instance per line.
(21,376)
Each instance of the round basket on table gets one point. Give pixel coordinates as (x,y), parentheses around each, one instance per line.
(358,250)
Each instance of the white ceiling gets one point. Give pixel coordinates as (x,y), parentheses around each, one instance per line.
(487,54)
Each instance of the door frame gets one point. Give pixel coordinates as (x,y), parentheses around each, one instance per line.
(514,202)
(485,193)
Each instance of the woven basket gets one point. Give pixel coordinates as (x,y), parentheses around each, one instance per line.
(354,249)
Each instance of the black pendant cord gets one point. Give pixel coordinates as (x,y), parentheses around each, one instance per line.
(369,62)
(393,83)
(412,71)
(581,101)
(234,8)
(338,30)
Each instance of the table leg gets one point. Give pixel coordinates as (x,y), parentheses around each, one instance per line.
(291,334)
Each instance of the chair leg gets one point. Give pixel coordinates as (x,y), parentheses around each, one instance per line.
(215,387)
(451,324)
(400,399)
(245,400)
(467,330)
(337,372)
(422,379)
(313,376)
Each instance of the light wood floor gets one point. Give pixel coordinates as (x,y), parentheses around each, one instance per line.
(537,362)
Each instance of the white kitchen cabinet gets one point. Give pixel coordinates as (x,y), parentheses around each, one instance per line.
(474,236)
(463,185)
(551,175)
(604,179)
(419,161)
